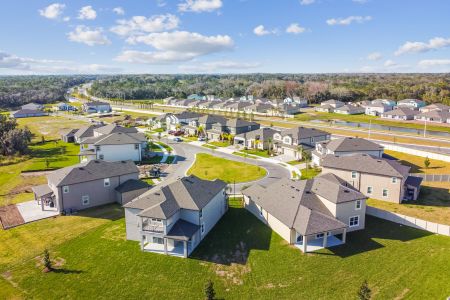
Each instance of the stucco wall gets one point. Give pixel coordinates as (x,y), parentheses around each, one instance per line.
(119,152)
(132,224)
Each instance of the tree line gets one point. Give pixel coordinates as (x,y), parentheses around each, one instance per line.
(314,87)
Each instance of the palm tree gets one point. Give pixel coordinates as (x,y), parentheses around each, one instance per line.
(200,130)
(269,146)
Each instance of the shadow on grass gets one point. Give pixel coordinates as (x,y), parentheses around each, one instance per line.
(432,196)
(232,239)
(111,212)
(365,240)
(67,271)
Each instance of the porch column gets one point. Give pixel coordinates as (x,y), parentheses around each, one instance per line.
(344,235)
(142,242)
(305,242)
(42,204)
(325,239)
(185,249)
(165,246)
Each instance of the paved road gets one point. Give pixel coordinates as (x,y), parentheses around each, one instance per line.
(186,156)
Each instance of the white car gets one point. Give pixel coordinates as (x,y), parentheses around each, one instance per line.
(177,139)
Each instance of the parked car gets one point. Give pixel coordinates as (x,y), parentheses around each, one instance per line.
(201,139)
(171,131)
(177,139)
(178,133)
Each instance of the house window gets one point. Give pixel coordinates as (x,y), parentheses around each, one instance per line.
(65,189)
(385,192)
(158,240)
(106,182)
(156,220)
(321,235)
(101,156)
(354,173)
(136,146)
(203,228)
(358,204)
(85,200)
(200,213)
(353,221)
(369,190)
(97,148)
(394,179)
(261,211)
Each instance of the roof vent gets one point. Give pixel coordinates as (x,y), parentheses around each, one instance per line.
(81,169)
(157,194)
(346,191)
(308,192)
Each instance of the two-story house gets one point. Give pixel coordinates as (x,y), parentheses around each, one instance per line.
(289,141)
(415,104)
(174,219)
(204,123)
(375,177)
(309,214)
(176,121)
(329,105)
(344,147)
(85,185)
(257,139)
(231,126)
(97,107)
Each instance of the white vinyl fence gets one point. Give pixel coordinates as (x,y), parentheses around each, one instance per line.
(433,177)
(409,221)
(421,153)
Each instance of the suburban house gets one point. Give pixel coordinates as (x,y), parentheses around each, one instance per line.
(33,106)
(435,107)
(112,128)
(83,133)
(400,113)
(377,108)
(285,109)
(158,121)
(349,109)
(96,107)
(175,218)
(231,126)
(375,177)
(61,106)
(85,185)
(260,139)
(176,121)
(309,214)
(258,108)
(297,100)
(204,123)
(114,146)
(344,147)
(411,103)
(438,116)
(27,113)
(68,135)
(329,105)
(289,141)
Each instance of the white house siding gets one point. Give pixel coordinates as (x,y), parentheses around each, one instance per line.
(132,222)
(119,152)
(213,211)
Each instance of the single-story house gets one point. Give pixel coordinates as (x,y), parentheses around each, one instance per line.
(377,109)
(28,113)
(33,106)
(438,116)
(415,104)
(309,214)
(434,107)
(349,109)
(375,177)
(68,135)
(175,218)
(97,107)
(400,113)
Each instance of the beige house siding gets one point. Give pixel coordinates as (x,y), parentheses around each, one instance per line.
(344,211)
(363,181)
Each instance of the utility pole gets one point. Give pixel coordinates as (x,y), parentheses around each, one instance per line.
(425,129)
(370,127)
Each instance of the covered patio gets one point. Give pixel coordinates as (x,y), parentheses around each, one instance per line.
(314,242)
(45,197)
(87,155)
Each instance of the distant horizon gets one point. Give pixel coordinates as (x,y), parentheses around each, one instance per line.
(52,37)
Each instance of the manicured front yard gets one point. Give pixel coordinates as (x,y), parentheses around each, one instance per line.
(257,152)
(433,204)
(219,144)
(242,256)
(207,166)
(310,173)
(417,163)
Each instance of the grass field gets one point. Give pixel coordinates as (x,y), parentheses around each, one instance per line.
(257,152)
(242,256)
(49,126)
(310,173)
(417,163)
(219,144)
(245,155)
(432,205)
(210,167)
(57,154)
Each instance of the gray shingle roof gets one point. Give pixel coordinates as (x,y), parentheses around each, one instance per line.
(402,111)
(86,131)
(131,185)
(212,119)
(364,163)
(414,181)
(296,203)
(303,132)
(262,134)
(239,123)
(92,170)
(113,128)
(352,144)
(182,230)
(189,192)
(117,138)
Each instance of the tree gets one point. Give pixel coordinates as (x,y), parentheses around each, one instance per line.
(427,162)
(47,163)
(42,139)
(269,148)
(46,261)
(364,292)
(209,291)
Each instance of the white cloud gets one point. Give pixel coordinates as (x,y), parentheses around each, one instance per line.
(53,11)
(23,65)
(295,28)
(348,20)
(307,2)
(199,5)
(214,66)
(374,56)
(418,47)
(88,36)
(141,24)
(161,3)
(119,11)
(260,30)
(175,47)
(428,63)
(390,63)
(361,1)
(87,13)
(66,19)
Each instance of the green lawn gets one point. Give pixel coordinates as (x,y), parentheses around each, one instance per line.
(245,155)
(417,163)
(49,126)
(262,153)
(207,166)
(209,146)
(310,173)
(242,256)
(219,144)
(57,154)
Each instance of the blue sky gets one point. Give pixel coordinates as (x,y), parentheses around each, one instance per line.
(224,36)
